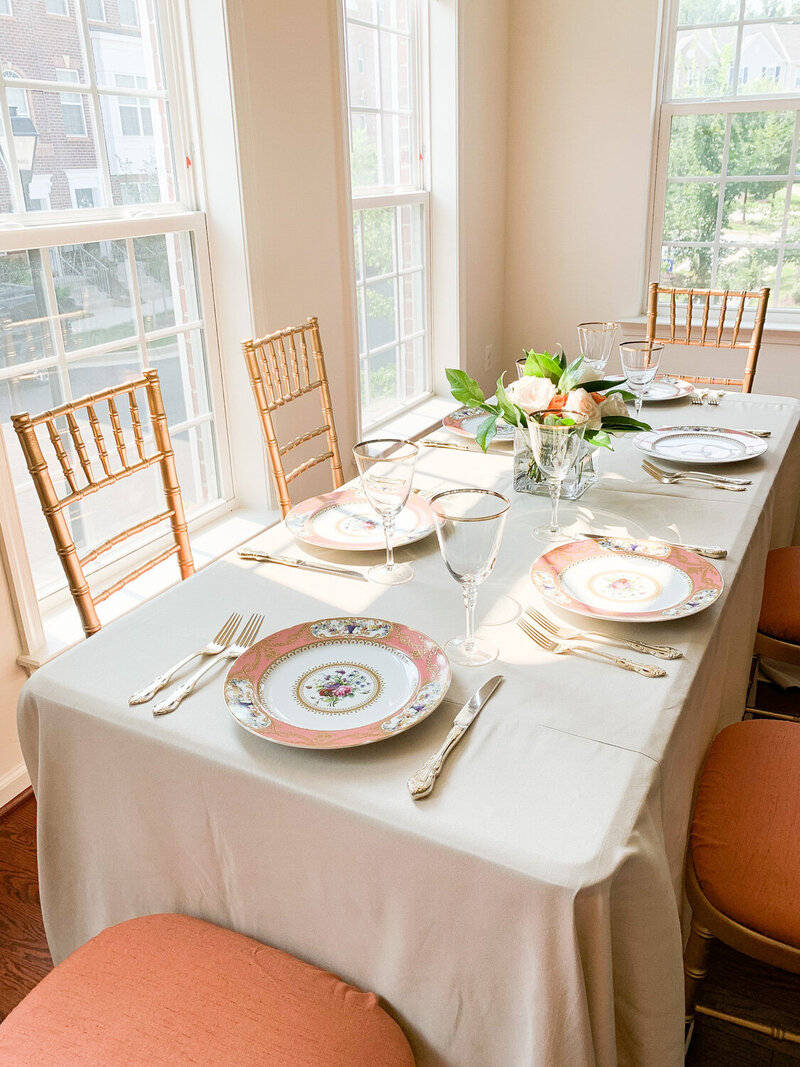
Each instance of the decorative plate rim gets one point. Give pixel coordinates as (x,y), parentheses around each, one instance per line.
(297,521)
(242,681)
(704,576)
(505,431)
(756,446)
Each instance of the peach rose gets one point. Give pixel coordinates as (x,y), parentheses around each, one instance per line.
(613,405)
(531,393)
(582,403)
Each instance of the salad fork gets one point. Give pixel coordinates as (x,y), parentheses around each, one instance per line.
(698,397)
(673,479)
(561,647)
(216,645)
(246,638)
(569,633)
(715,397)
(699,474)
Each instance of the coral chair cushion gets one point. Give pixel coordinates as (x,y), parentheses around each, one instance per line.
(780,605)
(169,990)
(746,829)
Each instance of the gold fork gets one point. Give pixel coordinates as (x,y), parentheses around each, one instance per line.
(560,647)
(246,638)
(216,645)
(568,633)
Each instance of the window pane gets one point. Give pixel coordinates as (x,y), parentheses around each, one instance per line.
(93,293)
(412,303)
(410,232)
(196,461)
(691,12)
(754,212)
(137,135)
(690,211)
(381,314)
(757,9)
(746,268)
(24,325)
(398,166)
(686,267)
(357,244)
(793,223)
(378,227)
(98,372)
(365,10)
(167,289)
(362,70)
(695,145)
(394,13)
(788,296)
(704,61)
(42,48)
(181,365)
(95,10)
(395,72)
(761,142)
(128,59)
(382,382)
(364,147)
(32,391)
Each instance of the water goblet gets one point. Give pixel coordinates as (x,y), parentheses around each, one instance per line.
(640,361)
(469,526)
(386,466)
(595,340)
(556,437)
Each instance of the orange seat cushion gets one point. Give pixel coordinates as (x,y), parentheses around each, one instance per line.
(746,829)
(780,605)
(172,991)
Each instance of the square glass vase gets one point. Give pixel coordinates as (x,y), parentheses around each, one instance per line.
(529,479)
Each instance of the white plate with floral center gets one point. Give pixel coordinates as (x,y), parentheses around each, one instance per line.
(667,388)
(467,421)
(700,444)
(621,578)
(346,521)
(337,683)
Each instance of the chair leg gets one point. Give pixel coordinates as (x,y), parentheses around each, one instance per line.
(695,964)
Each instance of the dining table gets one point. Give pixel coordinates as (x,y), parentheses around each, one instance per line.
(530,911)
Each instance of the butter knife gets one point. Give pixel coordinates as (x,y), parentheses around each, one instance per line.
(302,564)
(445,444)
(711,551)
(421,784)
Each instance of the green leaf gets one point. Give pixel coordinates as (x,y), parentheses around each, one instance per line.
(548,366)
(623,424)
(486,432)
(569,376)
(599,438)
(601,384)
(532,368)
(464,389)
(626,396)
(511,413)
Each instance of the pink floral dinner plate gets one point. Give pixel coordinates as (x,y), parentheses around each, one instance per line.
(620,578)
(466,421)
(345,520)
(337,683)
(666,387)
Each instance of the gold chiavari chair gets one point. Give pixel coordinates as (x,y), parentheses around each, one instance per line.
(697,332)
(108,469)
(278,366)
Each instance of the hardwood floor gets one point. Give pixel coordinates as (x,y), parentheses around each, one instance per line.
(24,956)
(735,983)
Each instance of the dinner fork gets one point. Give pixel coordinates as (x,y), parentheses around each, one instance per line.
(715,397)
(216,645)
(699,474)
(245,639)
(698,396)
(561,647)
(673,479)
(569,633)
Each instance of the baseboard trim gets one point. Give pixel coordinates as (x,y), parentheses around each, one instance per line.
(12,784)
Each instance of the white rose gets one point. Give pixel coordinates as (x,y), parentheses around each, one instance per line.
(583,403)
(613,405)
(531,393)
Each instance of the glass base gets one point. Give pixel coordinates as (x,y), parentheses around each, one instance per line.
(544,533)
(396,575)
(471,654)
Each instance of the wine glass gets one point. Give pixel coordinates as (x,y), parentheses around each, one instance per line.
(556,437)
(469,525)
(386,466)
(596,339)
(640,361)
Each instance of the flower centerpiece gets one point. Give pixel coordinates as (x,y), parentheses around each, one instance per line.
(548,382)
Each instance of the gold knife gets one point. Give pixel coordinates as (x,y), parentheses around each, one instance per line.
(303,564)
(421,784)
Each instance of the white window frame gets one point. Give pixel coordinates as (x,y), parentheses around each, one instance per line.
(6,9)
(668,108)
(63,4)
(22,231)
(131,25)
(73,99)
(13,75)
(380,197)
(102,16)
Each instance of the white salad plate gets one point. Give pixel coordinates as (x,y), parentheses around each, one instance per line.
(345,520)
(337,683)
(667,388)
(620,578)
(466,422)
(700,444)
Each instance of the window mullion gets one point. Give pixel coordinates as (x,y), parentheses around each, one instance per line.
(56,332)
(102,150)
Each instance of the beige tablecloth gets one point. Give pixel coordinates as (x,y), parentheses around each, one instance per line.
(529,911)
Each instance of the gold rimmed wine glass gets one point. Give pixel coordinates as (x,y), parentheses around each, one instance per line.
(386,466)
(556,437)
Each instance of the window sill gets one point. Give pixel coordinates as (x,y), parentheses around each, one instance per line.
(418,421)
(62,626)
(777,333)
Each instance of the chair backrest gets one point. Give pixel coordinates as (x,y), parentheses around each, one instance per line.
(697,331)
(109,466)
(279,370)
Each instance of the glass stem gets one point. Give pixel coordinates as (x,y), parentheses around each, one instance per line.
(470,599)
(388,533)
(638,406)
(555,493)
